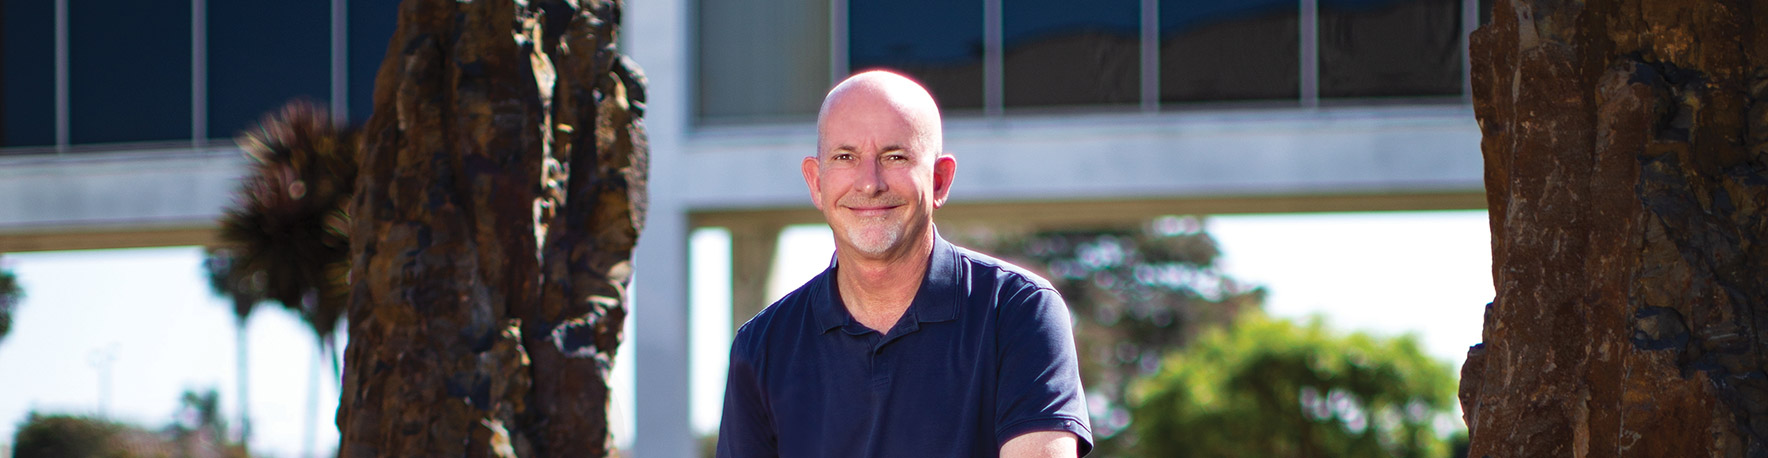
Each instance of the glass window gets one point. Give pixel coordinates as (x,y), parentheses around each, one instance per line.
(1212,50)
(372,23)
(937,42)
(1055,53)
(261,55)
(762,59)
(27,73)
(128,71)
(1378,48)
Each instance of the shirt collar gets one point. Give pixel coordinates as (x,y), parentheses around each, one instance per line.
(936,300)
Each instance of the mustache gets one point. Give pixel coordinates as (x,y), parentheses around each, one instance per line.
(871,202)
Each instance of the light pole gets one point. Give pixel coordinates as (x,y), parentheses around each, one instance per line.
(101,360)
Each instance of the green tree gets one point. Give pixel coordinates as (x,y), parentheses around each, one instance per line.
(287,226)
(10,296)
(1272,388)
(66,436)
(287,230)
(197,429)
(245,292)
(1136,294)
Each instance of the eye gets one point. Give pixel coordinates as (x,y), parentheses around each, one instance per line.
(841,157)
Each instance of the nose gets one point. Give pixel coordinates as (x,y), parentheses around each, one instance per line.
(871,177)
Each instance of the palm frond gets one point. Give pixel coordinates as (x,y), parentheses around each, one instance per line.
(245,290)
(10,295)
(287,226)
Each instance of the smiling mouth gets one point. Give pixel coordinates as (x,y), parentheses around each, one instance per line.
(871,211)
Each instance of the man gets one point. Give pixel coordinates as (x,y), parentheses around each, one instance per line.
(906,346)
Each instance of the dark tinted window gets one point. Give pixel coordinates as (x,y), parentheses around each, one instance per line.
(27,73)
(262,54)
(1058,52)
(372,23)
(1377,48)
(1212,50)
(762,59)
(128,71)
(937,42)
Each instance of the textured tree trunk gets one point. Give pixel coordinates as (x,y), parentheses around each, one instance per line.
(1627,179)
(500,194)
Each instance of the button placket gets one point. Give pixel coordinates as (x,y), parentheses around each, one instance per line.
(880,363)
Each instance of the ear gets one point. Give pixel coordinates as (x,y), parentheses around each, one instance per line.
(945,167)
(812,178)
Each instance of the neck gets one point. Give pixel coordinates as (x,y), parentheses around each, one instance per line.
(877,290)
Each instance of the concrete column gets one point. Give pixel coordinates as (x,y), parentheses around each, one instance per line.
(658,33)
(752,259)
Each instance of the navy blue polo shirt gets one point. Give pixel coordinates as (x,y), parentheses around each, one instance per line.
(983,354)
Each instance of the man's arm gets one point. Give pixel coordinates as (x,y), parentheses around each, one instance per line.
(1042,444)
(1039,403)
(746,429)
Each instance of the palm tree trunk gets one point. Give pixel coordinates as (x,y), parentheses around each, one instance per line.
(309,427)
(331,355)
(245,417)
(1624,145)
(501,191)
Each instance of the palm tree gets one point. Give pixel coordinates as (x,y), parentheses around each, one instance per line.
(287,226)
(245,292)
(198,429)
(10,295)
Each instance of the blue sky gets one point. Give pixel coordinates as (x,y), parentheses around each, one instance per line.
(151,311)
(1426,273)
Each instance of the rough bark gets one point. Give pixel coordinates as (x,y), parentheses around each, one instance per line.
(1627,176)
(500,195)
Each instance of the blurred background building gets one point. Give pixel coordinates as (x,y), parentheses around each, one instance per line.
(118,118)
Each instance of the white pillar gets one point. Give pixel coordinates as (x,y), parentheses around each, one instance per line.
(752,259)
(658,34)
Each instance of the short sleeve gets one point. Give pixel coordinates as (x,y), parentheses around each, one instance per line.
(1039,385)
(746,427)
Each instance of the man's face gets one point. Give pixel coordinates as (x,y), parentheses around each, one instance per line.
(876,176)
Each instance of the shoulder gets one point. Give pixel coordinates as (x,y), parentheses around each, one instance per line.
(792,310)
(1005,275)
(1018,299)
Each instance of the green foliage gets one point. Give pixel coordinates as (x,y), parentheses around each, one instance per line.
(1272,388)
(196,430)
(10,296)
(1136,293)
(67,436)
(199,412)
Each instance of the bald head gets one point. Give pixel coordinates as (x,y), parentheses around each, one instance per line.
(879,171)
(882,94)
